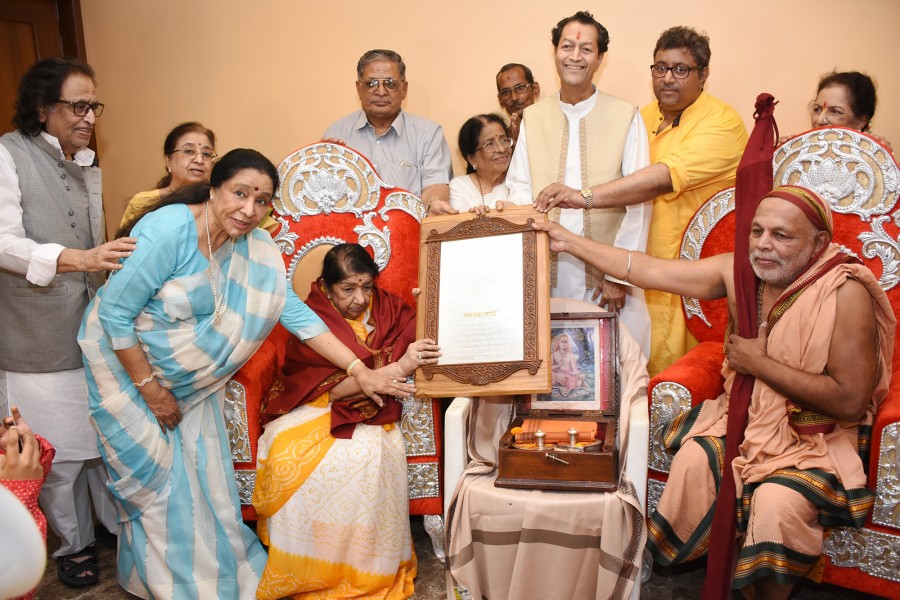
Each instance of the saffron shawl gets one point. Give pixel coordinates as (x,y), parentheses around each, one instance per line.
(801,339)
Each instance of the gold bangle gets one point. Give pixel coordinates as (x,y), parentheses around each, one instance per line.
(351,365)
(627,269)
(144,382)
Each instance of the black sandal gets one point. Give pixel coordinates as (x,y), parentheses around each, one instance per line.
(76,573)
(105,536)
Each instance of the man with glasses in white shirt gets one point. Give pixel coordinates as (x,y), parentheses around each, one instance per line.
(516,91)
(408,151)
(52,260)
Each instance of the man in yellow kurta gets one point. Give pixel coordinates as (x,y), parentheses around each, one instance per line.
(696,142)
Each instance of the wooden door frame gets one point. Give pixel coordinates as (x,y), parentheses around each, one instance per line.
(71,28)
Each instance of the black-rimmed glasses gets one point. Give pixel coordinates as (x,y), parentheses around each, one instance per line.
(192,152)
(518,89)
(80,107)
(678,71)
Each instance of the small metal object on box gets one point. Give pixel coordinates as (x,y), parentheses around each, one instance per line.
(566,440)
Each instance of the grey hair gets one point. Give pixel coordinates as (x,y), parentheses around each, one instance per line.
(374,55)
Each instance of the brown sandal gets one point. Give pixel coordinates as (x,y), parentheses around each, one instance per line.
(75,573)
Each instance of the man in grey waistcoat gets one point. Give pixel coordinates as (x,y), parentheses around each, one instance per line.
(52,260)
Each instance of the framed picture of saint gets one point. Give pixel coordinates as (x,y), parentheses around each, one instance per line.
(583,364)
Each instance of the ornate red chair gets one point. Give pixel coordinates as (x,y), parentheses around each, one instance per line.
(330,195)
(861,180)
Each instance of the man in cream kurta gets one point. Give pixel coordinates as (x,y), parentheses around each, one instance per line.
(696,142)
(580,138)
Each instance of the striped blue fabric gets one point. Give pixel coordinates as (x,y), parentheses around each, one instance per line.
(181,535)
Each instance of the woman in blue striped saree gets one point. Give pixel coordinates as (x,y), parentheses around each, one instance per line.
(195,300)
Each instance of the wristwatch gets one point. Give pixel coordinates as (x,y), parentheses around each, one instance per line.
(588,196)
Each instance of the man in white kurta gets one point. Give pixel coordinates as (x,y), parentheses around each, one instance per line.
(52,259)
(575,138)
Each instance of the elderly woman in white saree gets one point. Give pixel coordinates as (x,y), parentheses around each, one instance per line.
(196,299)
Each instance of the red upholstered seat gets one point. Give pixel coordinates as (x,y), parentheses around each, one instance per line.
(329,195)
(861,180)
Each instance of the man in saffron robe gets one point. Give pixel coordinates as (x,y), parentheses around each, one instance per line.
(822,364)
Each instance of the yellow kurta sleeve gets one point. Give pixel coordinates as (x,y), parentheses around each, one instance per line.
(702,152)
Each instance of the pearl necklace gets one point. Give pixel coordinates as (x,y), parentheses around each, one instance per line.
(218,303)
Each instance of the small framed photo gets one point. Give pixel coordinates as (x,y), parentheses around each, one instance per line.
(583,364)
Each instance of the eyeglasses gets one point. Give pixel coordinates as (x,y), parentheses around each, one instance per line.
(81,107)
(497,143)
(518,89)
(192,152)
(678,71)
(390,84)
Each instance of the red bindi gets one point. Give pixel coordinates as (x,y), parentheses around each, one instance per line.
(256,189)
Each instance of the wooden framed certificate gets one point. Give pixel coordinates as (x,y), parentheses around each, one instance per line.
(486,301)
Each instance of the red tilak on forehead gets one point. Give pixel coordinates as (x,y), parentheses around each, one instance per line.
(256,189)
(577,36)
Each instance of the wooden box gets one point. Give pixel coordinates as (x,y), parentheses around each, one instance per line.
(585,375)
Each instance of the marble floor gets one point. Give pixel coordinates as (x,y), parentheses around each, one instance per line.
(681,584)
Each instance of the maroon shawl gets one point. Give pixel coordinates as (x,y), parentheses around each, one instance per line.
(306,375)
(754,181)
